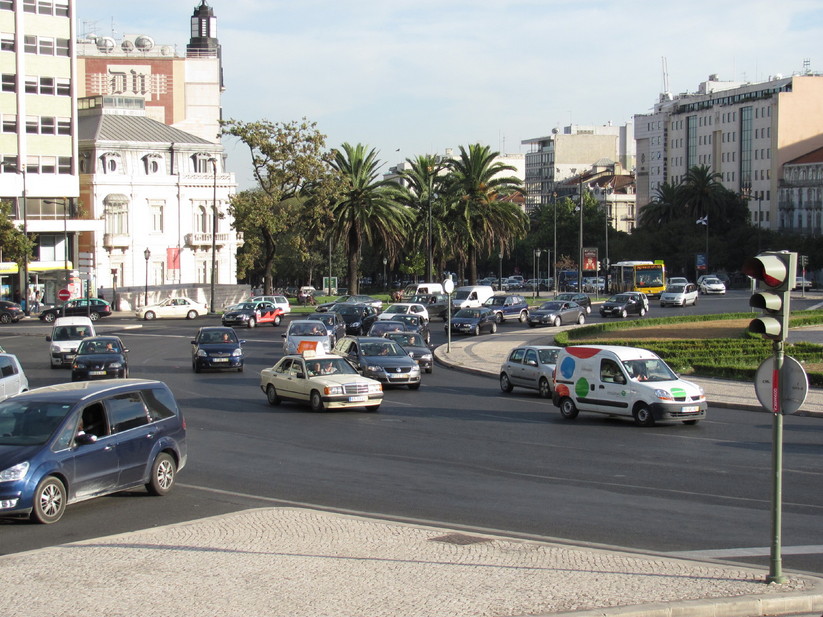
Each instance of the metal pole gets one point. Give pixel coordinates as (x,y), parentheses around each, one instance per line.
(329,264)
(429,275)
(606,263)
(213,235)
(537,271)
(775,562)
(580,240)
(554,197)
(146,254)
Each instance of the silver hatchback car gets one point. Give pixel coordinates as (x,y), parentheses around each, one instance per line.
(529,366)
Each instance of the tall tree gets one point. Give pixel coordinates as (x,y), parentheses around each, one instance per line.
(487,221)
(296,185)
(664,207)
(369,211)
(701,192)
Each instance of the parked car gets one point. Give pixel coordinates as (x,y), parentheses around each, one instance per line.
(352,299)
(711,285)
(100,357)
(306,334)
(93,308)
(473,321)
(12,378)
(62,444)
(216,347)
(416,347)
(358,317)
(281,302)
(403,308)
(437,304)
(529,366)
(323,382)
(679,295)
(556,313)
(381,359)
(415,323)
(578,298)
(10,312)
(622,305)
(508,306)
(334,323)
(173,307)
(65,337)
(251,314)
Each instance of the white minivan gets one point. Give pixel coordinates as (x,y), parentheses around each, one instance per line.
(471,296)
(624,381)
(12,378)
(416,289)
(65,337)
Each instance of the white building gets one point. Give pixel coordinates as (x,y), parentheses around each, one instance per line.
(800,195)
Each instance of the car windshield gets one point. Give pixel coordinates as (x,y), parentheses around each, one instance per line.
(381,327)
(407,339)
(713,281)
(496,301)
(620,298)
(70,333)
(329,366)
(246,306)
(342,309)
(409,320)
(675,289)
(550,306)
(29,423)
(565,296)
(547,356)
(387,348)
(218,336)
(91,346)
(468,314)
(397,308)
(652,369)
(307,329)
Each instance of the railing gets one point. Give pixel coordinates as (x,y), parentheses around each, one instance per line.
(205,239)
(111,241)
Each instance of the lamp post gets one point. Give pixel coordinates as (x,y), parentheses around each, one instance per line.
(24,292)
(580,239)
(607,209)
(147,255)
(554,278)
(385,261)
(537,252)
(500,269)
(213,234)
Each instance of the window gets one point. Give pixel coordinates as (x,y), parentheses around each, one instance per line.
(46,46)
(32,125)
(63,87)
(47,126)
(30,44)
(6,42)
(110,162)
(157,218)
(30,6)
(9,82)
(31,85)
(117,218)
(64,165)
(160,403)
(63,47)
(64,126)
(9,123)
(48,164)
(47,85)
(127,411)
(6,5)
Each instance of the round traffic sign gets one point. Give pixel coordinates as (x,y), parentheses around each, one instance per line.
(795,385)
(448,286)
(63,294)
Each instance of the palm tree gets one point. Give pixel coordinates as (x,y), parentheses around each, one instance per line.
(701,192)
(664,208)
(369,211)
(484,220)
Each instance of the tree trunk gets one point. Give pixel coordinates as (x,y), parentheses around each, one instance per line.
(353,258)
(472,265)
(269,252)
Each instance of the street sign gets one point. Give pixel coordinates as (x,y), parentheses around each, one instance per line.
(63,295)
(795,385)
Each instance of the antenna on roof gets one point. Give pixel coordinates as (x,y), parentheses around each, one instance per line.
(665,74)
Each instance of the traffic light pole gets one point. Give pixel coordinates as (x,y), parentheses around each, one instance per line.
(776,559)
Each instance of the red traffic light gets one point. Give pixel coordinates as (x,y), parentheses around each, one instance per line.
(774,269)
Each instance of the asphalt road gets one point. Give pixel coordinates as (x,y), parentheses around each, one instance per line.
(457,452)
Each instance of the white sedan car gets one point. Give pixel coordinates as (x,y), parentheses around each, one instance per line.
(405,308)
(173,307)
(679,295)
(712,286)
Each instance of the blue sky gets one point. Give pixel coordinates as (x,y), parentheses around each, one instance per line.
(428,75)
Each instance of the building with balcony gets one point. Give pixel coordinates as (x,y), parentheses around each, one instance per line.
(800,195)
(746,132)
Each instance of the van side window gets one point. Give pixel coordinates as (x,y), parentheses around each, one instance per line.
(517,355)
(160,403)
(7,367)
(93,420)
(610,372)
(531,357)
(126,411)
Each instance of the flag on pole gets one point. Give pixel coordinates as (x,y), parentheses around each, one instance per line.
(703,221)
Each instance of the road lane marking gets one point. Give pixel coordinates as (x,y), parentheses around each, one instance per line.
(755,551)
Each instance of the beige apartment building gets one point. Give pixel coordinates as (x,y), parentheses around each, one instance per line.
(746,132)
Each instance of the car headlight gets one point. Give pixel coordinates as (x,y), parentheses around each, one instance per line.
(333,390)
(415,369)
(375,368)
(242,317)
(664,395)
(426,356)
(116,365)
(355,324)
(237,353)
(201,353)
(56,349)
(17,472)
(77,364)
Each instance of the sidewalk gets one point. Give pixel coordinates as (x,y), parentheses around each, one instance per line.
(290,562)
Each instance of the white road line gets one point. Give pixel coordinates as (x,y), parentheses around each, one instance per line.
(755,551)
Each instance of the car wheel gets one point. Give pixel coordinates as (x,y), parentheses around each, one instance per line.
(588,310)
(428,371)
(315,401)
(5,318)
(414,386)
(493,329)
(372,408)
(499,317)
(163,472)
(643,416)
(556,323)
(532,325)
(149,315)
(94,316)
(642,311)
(251,323)
(49,317)
(271,395)
(623,314)
(49,501)
(240,369)
(191,315)
(543,388)
(568,409)
(277,320)
(581,319)
(524,316)
(195,366)
(505,383)
(477,330)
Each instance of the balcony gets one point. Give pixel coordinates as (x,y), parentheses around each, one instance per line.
(201,240)
(116,241)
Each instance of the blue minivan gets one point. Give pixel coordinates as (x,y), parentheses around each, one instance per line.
(75,441)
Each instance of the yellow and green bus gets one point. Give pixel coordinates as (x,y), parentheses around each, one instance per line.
(646,276)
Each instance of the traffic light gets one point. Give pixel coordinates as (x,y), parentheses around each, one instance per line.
(775,273)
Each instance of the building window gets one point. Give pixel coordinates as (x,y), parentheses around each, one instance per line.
(32,125)
(64,126)
(48,164)
(6,42)
(117,218)
(110,162)
(46,46)
(47,126)
(9,123)
(157,218)
(29,6)
(64,165)
(9,82)
(30,44)
(6,5)
(63,48)
(47,85)
(201,222)
(63,87)
(152,163)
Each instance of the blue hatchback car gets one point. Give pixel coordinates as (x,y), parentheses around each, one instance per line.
(75,441)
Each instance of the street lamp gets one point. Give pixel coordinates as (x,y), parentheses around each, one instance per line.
(213,234)
(24,292)
(385,261)
(580,239)
(147,255)
(607,208)
(537,252)
(554,199)
(500,269)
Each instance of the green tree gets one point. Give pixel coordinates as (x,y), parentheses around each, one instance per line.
(296,185)
(664,207)
(14,245)
(702,194)
(485,221)
(369,211)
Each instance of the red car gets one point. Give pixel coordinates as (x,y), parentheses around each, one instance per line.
(249,314)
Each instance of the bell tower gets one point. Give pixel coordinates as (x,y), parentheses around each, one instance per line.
(203,42)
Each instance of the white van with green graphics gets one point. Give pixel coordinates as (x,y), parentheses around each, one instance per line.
(624,381)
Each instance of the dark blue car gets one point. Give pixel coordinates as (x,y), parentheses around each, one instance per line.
(216,347)
(508,306)
(473,321)
(74,441)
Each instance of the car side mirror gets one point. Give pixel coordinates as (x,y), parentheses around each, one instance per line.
(194,342)
(283,335)
(242,341)
(125,351)
(531,363)
(48,338)
(84,439)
